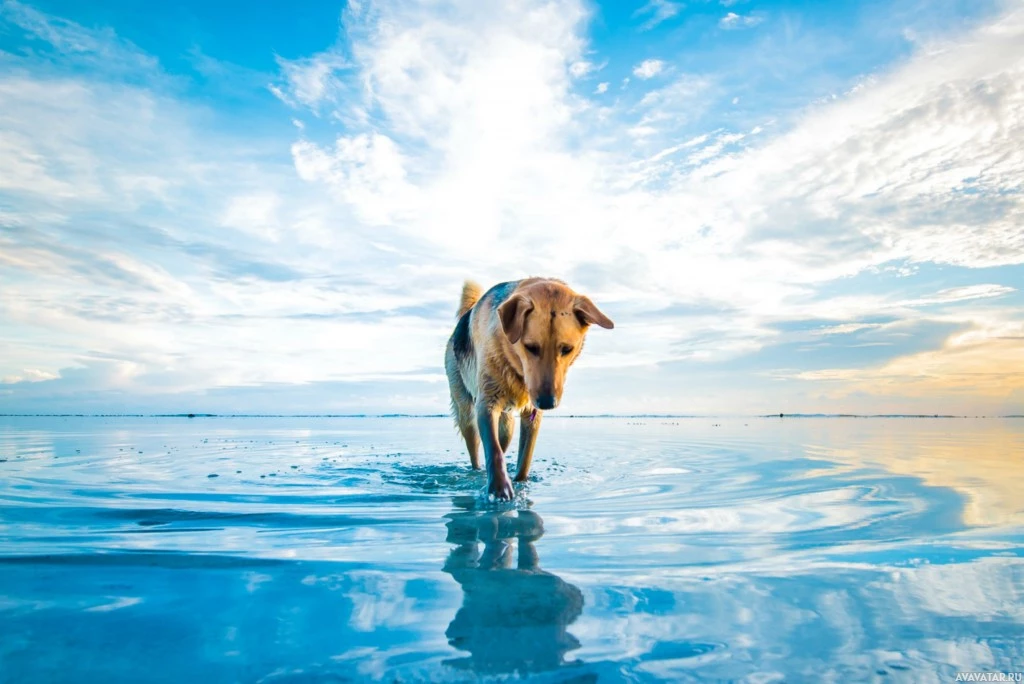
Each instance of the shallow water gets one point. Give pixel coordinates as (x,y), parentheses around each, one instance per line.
(309,550)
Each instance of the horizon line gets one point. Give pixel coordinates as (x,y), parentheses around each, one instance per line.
(445,415)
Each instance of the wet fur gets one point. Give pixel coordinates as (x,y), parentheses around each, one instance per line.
(491,377)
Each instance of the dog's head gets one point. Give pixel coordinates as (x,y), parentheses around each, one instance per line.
(546,322)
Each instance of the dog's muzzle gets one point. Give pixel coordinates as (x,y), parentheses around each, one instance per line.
(546,402)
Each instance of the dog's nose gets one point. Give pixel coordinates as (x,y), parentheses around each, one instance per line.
(546,401)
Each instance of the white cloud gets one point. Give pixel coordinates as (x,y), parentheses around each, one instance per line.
(136,253)
(642,131)
(582,68)
(649,68)
(981,364)
(365,171)
(213,265)
(255,214)
(487,98)
(29,375)
(100,49)
(667,108)
(659,11)
(968,293)
(845,328)
(601,88)
(311,81)
(736,21)
(744,198)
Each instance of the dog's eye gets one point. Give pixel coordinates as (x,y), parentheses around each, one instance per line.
(566,350)
(534,349)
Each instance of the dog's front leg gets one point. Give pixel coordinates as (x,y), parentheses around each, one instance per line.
(529,426)
(498,483)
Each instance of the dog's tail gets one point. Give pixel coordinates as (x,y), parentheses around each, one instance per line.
(470,295)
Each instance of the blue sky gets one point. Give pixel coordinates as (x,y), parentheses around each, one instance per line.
(239,207)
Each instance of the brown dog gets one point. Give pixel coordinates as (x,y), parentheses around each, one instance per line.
(510,352)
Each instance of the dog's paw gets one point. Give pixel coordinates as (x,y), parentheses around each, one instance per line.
(501,489)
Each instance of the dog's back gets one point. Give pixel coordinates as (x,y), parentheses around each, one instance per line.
(476,307)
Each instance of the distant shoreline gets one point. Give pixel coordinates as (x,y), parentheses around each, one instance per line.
(445,415)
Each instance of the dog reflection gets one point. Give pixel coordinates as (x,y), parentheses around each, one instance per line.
(513,617)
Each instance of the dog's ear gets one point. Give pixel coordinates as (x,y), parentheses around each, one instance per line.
(587,313)
(513,316)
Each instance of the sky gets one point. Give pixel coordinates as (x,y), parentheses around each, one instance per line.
(785,206)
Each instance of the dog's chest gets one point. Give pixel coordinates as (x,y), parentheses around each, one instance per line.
(505,386)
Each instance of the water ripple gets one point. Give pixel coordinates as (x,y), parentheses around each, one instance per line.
(352,550)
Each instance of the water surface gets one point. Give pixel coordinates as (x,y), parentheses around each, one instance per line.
(332,550)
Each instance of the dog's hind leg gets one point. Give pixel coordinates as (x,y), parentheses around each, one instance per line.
(465,418)
(506,427)
(529,426)
(472,441)
(462,407)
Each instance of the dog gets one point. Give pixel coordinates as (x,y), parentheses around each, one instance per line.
(509,352)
